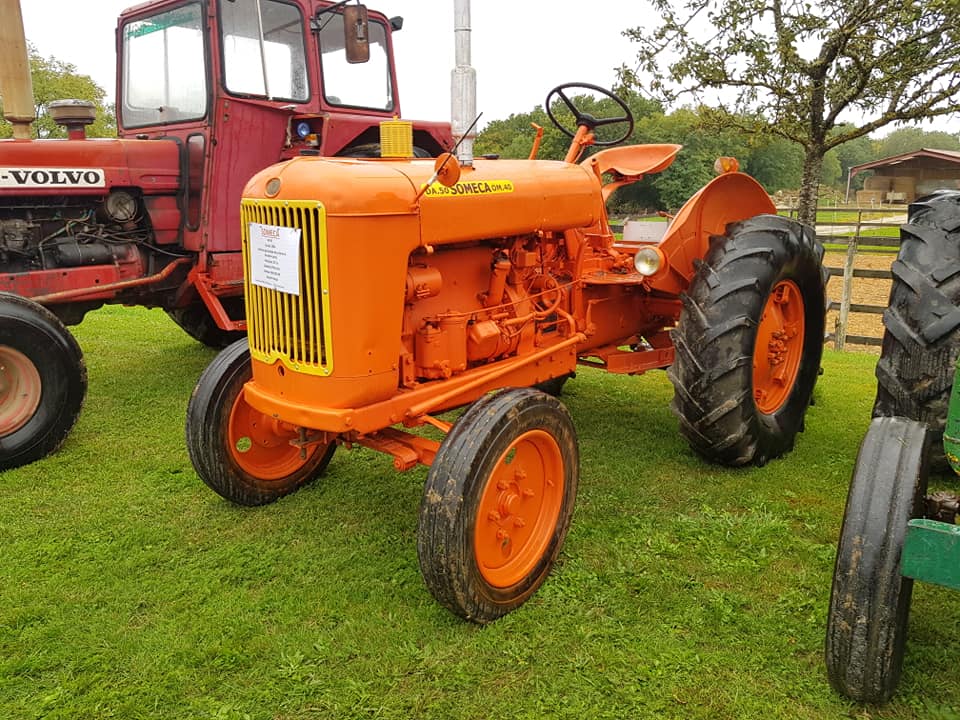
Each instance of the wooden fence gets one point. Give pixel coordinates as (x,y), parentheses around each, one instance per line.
(855,235)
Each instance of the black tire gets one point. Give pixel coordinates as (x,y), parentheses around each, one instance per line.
(921,339)
(473,469)
(40,358)
(554,386)
(211,448)
(716,337)
(196,321)
(870,600)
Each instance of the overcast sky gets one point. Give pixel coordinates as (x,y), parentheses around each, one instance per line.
(520,49)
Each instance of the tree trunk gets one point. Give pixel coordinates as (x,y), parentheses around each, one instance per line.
(810,185)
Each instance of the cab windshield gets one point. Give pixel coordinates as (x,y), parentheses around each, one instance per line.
(164,68)
(362,85)
(263,53)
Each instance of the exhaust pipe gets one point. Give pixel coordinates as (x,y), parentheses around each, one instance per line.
(463,91)
(16,86)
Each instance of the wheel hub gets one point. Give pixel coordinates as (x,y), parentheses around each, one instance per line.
(20,390)
(264,447)
(779,347)
(519,508)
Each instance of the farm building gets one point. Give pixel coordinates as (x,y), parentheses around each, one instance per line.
(904,178)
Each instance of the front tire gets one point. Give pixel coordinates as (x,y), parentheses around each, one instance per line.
(43,381)
(870,599)
(240,453)
(497,503)
(749,341)
(921,338)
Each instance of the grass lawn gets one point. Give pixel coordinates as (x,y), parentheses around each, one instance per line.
(129,590)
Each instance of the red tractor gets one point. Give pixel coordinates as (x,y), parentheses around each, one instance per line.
(208,93)
(432,286)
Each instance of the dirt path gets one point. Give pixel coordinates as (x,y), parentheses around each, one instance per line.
(866,291)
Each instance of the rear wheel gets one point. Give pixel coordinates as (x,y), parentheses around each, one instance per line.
(870,599)
(43,381)
(554,386)
(240,453)
(497,503)
(749,341)
(921,339)
(196,321)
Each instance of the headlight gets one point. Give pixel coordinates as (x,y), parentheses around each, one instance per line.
(648,261)
(121,207)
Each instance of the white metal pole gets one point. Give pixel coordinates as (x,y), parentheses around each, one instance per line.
(463,83)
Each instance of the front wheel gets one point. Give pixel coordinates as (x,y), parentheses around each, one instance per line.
(497,503)
(43,381)
(749,341)
(240,453)
(870,599)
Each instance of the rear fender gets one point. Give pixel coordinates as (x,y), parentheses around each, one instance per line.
(726,199)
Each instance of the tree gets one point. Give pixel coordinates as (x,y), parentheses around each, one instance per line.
(57,80)
(909,139)
(854,152)
(775,163)
(798,69)
(513,137)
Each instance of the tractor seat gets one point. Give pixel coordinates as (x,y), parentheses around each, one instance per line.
(633,161)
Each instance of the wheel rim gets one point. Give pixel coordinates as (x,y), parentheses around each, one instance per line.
(260,444)
(519,508)
(20,390)
(779,347)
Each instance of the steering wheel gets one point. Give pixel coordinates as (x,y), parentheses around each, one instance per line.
(586,119)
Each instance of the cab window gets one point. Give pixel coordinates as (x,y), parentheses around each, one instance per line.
(360,85)
(263,50)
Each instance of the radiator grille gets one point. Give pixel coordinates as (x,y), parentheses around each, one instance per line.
(292,328)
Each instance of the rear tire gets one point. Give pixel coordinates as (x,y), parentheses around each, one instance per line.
(43,381)
(240,453)
(921,339)
(554,386)
(497,503)
(196,321)
(870,599)
(749,341)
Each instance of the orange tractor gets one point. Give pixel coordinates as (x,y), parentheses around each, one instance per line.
(382,292)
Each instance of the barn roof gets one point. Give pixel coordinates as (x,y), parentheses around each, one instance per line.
(950,156)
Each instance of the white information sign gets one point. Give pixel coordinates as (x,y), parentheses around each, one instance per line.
(275,257)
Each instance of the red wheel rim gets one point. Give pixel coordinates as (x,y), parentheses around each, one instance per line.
(20,390)
(260,444)
(518,510)
(779,347)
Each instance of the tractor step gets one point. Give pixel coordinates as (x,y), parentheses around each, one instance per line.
(931,553)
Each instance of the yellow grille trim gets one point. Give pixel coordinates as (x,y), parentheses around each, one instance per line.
(280,326)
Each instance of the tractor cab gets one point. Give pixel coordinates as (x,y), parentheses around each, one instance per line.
(242,84)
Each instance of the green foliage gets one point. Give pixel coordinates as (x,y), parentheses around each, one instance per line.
(693,167)
(684,591)
(57,80)
(909,139)
(794,68)
(831,173)
(513,137)
(854,152)
(775,163)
